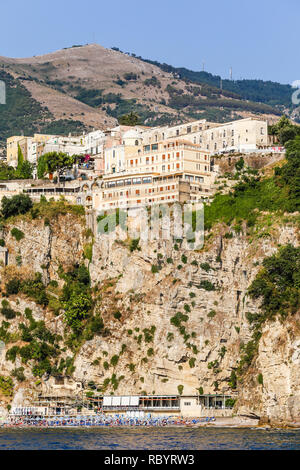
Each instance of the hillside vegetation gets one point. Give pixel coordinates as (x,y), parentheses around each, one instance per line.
(84,87)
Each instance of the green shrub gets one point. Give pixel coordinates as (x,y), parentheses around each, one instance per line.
(206,285)
(170,336)
(6,386)
(154,269)
(192,362)
(114,360)
(184,259)
(19,374)
(180,389)
(2,242)
(222,352)
(12,353)
(205,266)
(150,352)
(6,311)
(228,235)
(260,379)
(178,318)
(19,260)
(117,315)
(230,402)
(211,314)
(88,251)
(12,287)
(96,324)
(233,380)
(19,204)
(34,288)
(134,244)
(17,234)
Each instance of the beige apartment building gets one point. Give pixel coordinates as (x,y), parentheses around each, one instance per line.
(31,147)
(243,135)
(12,147)
(163,172)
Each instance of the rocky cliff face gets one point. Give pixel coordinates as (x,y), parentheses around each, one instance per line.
(177,330)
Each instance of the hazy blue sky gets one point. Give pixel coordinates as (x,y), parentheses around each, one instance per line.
(258,38)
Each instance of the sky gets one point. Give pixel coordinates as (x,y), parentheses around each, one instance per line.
(257,38)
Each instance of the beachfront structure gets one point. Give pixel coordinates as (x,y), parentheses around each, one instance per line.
(157,405)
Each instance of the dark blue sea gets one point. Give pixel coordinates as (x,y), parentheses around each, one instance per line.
(150,439)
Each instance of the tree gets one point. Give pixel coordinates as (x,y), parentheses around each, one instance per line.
(20,156)
(77,309)
(285,130)
(289,174)
(6,172)
(54,161)
(131,119)
(24,170)
(19,204)
(41,167)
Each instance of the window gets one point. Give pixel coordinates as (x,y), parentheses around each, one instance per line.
(187,403)
(146,180)
(136,180)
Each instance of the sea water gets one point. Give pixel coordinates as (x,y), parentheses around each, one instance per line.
(149,438)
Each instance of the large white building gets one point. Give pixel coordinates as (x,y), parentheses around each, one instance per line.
(244,135)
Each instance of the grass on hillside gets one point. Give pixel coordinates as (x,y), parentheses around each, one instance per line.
(245,202)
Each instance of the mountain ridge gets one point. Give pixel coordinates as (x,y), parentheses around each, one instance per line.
(91,87)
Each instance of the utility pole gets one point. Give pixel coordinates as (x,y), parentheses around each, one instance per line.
(230,73)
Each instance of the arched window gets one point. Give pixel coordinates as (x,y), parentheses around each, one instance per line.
(136,142)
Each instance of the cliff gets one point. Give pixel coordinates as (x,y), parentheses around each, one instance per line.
(174,320)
